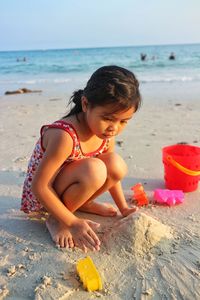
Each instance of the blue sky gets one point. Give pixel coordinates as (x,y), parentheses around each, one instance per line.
(45,24)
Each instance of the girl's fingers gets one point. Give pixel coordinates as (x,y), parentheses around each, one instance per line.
(80,244)
(85,249)
(94,237)
(90,239)
(85,242)
(93,225)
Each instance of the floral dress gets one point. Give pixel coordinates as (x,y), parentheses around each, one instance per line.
(29,202)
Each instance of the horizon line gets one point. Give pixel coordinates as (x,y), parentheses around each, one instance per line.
(101,47)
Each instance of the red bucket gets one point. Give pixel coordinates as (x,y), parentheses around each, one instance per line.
(181,167)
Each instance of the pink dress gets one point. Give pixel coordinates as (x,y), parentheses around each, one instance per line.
(29,202)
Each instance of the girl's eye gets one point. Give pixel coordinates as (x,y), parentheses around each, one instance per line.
(124,122)
(107,119)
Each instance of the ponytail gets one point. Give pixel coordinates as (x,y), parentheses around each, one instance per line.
(76,99)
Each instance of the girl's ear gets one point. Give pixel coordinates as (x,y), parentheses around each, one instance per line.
(84,103)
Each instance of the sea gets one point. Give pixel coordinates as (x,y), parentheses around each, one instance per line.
(69,69)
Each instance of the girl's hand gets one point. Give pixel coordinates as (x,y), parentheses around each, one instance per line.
(83,235)
(129,210)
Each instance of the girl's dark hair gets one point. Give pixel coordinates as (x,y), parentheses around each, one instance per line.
(109,85)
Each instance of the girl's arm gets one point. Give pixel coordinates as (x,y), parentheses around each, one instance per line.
(58,145)
(55,141)
(117,193)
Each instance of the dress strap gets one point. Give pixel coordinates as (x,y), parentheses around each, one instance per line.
(60,125)
(77,151)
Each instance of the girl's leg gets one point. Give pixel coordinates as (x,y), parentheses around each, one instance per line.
(75,184)
(78,181)
(116,170)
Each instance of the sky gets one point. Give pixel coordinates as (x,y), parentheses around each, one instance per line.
(55,24)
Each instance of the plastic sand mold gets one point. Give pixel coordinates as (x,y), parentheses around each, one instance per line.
(169,197)
(88,274)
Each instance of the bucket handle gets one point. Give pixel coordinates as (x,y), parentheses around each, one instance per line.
(181,168)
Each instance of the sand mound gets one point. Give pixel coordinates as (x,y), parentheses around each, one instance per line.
(138,234)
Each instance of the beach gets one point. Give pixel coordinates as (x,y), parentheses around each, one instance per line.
(133,265)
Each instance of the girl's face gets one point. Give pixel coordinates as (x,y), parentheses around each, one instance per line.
(103,122)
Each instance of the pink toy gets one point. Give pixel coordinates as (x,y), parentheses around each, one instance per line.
(169,197)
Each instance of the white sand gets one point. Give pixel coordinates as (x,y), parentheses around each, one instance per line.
(152,255)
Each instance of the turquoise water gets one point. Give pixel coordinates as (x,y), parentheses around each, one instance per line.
(70,68)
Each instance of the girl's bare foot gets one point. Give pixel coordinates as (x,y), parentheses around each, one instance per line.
(59,233)
(102,209)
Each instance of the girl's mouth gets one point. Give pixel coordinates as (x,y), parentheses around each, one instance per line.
(109,135)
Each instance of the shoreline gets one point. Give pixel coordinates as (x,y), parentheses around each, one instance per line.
(152,91)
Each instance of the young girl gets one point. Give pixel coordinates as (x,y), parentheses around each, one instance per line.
(74,160)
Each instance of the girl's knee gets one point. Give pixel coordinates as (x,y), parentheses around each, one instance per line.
(116,167)
(90,172)
(94,172)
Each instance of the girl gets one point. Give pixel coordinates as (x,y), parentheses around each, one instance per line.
(74,160)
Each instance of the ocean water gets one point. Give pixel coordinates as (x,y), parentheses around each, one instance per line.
(69,69)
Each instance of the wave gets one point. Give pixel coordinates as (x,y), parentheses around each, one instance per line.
(67,80)
(36,81)
(167,80)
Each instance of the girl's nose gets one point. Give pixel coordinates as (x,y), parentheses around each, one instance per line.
(113,127)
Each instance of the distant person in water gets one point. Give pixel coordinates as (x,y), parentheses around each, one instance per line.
(23,59)
(143,56)
(172,56)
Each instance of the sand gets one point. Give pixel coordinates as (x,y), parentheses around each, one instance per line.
(153,254)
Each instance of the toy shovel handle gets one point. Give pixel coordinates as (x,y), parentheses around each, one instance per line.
(182,168)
